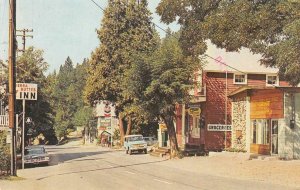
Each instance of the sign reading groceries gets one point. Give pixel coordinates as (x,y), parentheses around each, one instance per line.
(26,91)
(218,127)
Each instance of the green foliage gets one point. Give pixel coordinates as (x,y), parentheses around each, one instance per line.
(169,81)
(3,81)
(63,94)
(4,154)
(269,28)
(235,150)
(161,80)
(147,130)
(125,34)
(126,30)
(116,135)
(83,116)
(67,96)
(31,67)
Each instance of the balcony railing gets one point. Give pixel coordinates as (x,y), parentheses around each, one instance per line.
(3,120)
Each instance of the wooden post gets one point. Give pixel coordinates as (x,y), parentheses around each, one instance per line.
(12,82)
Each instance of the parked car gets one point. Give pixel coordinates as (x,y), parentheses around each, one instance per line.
(150,140)
(36,155)
(135,143)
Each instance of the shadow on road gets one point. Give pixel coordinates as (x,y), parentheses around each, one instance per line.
(53,149)
(105,168)
(71,157)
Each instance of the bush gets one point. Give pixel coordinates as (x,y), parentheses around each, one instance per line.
(235,150)
(4,155)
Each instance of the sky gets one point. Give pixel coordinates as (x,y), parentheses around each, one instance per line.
(61,28)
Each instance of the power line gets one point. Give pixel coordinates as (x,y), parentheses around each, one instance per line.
(223,63)
(178,39)
(97,5)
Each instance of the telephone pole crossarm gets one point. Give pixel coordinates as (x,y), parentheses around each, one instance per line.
(24,36)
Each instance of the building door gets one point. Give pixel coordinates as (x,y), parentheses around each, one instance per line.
(165,138)
(274,136)
(260,137)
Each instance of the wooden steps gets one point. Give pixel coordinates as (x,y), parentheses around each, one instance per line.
(160,152)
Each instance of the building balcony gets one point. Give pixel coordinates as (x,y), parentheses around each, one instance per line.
(3,122)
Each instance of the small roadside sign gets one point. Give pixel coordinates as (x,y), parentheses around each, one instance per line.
(26,91)
(28,120)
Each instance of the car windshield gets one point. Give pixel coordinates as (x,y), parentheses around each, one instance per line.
(137,138)
(35,151)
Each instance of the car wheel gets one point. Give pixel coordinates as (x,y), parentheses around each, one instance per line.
(130,152)
(145,151)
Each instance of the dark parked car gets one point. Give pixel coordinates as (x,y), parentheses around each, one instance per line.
(36,155)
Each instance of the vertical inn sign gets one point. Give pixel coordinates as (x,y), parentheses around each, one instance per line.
(26,91)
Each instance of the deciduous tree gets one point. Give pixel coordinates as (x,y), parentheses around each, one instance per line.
(266,27)
(31,68)
(160,81)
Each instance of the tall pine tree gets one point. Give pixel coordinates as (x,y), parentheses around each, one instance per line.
(64,98)
(126,31)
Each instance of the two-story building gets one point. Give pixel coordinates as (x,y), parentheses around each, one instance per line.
(238,103)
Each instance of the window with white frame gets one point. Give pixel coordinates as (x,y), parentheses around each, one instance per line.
(272,80)
(240,79)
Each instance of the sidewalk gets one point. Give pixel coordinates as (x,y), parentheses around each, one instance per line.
(237,167)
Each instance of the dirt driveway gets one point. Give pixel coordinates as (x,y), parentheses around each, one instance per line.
(239,167)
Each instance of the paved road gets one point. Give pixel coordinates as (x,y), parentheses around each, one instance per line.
(76,167)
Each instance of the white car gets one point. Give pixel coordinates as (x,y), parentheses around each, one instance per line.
(135,143)
(150,140)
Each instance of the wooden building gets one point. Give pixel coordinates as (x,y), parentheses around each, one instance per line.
(239,104)
(215,132)
(266,121)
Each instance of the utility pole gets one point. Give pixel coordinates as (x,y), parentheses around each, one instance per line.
(23,35)
(12,83)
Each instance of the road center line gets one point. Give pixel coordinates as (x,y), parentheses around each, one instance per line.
(162,181)
(129,172)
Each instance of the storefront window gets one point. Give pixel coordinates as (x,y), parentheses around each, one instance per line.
(260,131)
